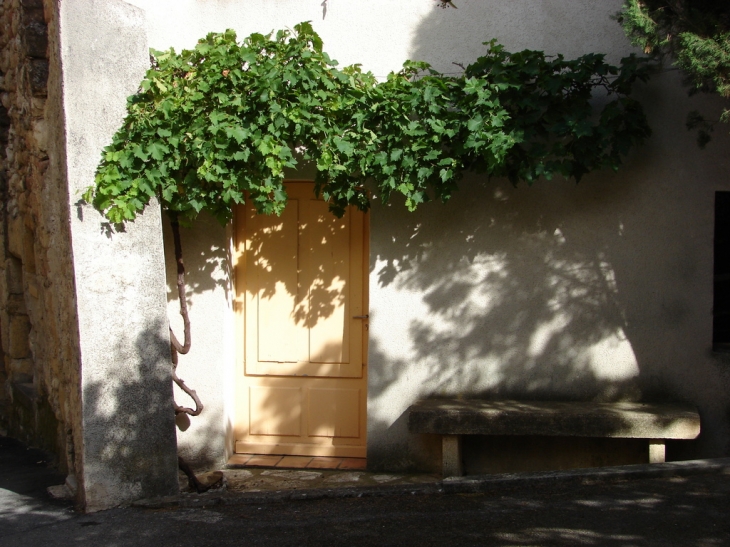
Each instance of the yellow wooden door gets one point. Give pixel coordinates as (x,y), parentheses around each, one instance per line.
(301,304)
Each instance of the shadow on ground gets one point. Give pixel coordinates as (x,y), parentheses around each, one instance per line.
(25,474)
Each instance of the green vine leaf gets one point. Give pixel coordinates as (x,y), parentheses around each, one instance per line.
(216,125)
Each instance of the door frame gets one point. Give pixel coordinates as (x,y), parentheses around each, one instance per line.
(238,275)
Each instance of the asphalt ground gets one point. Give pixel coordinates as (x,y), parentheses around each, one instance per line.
(682,508)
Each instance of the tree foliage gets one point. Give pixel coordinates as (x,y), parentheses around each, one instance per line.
(694,33)
(218,124)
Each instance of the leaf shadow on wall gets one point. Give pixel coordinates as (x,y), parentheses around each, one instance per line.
(527,293)
(506,283)
(129,423)
(594,291)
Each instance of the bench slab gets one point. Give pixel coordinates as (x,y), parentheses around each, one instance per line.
(569,419)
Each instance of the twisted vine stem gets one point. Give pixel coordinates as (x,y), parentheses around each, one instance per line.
(176,348)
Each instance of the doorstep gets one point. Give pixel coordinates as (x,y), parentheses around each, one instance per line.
(295,462)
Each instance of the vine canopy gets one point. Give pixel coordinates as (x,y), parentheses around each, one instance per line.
(695,34)
(219,124)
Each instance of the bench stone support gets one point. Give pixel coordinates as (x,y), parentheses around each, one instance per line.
(451,456)
(657,451)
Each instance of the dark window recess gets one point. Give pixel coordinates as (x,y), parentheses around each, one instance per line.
(721,301)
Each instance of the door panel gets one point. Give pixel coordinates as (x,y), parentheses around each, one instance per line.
(334,412)
(266,404)
(328,263)
(300,300)
(275,273)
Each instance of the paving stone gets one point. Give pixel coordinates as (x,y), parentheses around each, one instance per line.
(237,474)
(198,515)
(344,477)
(300,475)
(384,478)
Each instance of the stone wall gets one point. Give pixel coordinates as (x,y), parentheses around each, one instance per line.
(39,348)
(75,295)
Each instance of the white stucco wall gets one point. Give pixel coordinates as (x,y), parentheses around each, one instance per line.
(601,290)
(381,34)
(128,449)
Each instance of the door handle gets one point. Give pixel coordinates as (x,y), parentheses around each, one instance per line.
(360,316)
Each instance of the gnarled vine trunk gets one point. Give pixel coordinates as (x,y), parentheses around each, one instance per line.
(177,349)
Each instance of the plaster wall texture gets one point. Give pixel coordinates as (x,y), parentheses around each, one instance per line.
(596,291)
(129,448)
(381,34)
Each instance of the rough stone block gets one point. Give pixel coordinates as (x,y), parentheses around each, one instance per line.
(4,330)
(10,151)
(38,71)
(60,492)
(22,197)
(4,295)
(21,366)
(14,275)
(14,22)
(35,34)
(40,134)
(21,156)
(28,249)
(16,304)
(16,231)
(32,4)
(18,346)
(33,288)
(6,62)
(4,123)
(37,107)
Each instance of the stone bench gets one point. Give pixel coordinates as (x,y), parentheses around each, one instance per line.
(453,418)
